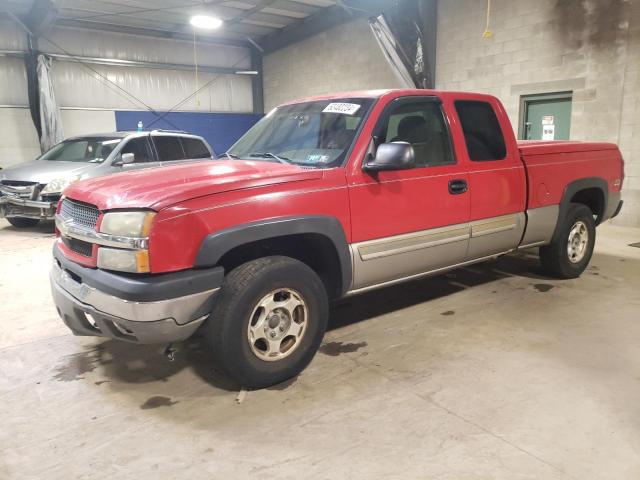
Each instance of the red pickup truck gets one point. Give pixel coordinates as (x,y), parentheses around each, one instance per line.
(323,198)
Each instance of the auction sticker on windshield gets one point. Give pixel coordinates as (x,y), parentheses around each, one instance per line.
(344,108)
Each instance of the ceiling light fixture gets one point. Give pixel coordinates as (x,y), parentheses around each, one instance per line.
(205,22)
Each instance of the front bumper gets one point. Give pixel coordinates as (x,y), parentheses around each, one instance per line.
(11,206)
(154,309)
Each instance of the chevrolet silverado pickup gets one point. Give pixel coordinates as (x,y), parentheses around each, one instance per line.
(323,198)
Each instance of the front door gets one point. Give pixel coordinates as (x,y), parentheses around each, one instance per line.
(408,222)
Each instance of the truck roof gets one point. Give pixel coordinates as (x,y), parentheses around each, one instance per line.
(382,92)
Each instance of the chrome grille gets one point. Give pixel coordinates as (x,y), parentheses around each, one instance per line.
(80,213)
(26,190)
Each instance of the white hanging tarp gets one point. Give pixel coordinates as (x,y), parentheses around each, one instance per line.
(390,48)
(50,121)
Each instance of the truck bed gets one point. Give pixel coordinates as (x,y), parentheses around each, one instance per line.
(552,165)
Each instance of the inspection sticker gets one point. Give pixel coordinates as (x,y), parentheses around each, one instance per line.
(344,108)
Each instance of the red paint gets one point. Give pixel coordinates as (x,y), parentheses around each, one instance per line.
(195,199)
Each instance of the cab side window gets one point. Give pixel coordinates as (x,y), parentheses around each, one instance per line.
(169,148)
(140,148)
(195,148)
(422,124)
(482,132)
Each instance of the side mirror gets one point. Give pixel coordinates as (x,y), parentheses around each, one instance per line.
(392,156)
(125,159)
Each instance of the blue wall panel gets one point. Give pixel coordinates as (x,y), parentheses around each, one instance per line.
(221,130)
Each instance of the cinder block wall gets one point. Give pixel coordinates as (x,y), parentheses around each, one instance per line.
(591,48)
(346,57)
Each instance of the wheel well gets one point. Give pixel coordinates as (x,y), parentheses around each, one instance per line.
(592,198)
(314,250)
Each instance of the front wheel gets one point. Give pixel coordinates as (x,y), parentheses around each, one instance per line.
(22,222)
(569,254)
(268,321)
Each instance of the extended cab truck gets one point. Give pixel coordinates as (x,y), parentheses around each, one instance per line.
(322,198)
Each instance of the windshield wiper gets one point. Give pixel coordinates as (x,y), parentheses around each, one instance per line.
(271,155)
(230,155)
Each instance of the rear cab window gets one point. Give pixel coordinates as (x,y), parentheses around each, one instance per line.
(169,148)
(482,133)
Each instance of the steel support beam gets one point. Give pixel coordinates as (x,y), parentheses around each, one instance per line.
(129,63)
(322,21)
(429,27)
(149,32)
(41,17)
(257,87)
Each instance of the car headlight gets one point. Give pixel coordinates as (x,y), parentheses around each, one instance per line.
(134,226)
(59,184)
(127,224)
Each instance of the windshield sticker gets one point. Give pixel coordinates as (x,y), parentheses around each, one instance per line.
(343,108)
(317,158)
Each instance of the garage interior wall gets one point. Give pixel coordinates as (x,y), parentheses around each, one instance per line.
(89,103)
(589,48)
(344,58)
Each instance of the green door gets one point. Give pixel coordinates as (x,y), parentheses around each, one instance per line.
(546,117)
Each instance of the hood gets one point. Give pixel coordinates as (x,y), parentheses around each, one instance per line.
(157,188)
(43,171)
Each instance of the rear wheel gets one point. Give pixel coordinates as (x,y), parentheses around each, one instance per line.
(268,321)
(569,254)
(22,222)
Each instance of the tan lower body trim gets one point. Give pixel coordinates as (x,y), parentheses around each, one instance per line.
(423,274)
(411,241)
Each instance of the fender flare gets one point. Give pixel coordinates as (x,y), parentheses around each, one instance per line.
(216,245)
(574,187)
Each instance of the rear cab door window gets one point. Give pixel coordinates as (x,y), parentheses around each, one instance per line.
(482,133)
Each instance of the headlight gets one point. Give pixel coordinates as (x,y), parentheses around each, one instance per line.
(134,225)
(127,224)
(59,184)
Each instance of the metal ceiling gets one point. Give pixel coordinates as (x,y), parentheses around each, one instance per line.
(244,20)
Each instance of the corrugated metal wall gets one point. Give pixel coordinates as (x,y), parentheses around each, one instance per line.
(78,87)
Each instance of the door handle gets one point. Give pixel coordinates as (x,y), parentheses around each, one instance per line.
(458,186)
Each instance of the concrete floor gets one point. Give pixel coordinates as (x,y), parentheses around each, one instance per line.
(491,371)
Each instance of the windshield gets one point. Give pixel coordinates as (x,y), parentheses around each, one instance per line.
(87,149)
(313,134)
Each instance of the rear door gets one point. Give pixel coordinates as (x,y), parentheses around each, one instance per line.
(408,222)
(496,177)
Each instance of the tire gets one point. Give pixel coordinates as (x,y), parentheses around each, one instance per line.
(21,222)
(563,259)
(256,299)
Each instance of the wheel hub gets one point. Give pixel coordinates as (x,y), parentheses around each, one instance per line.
(277,324)
(577,242)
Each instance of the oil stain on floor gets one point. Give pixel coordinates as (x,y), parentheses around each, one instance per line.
(333,349)
(156,402)
(543,287)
